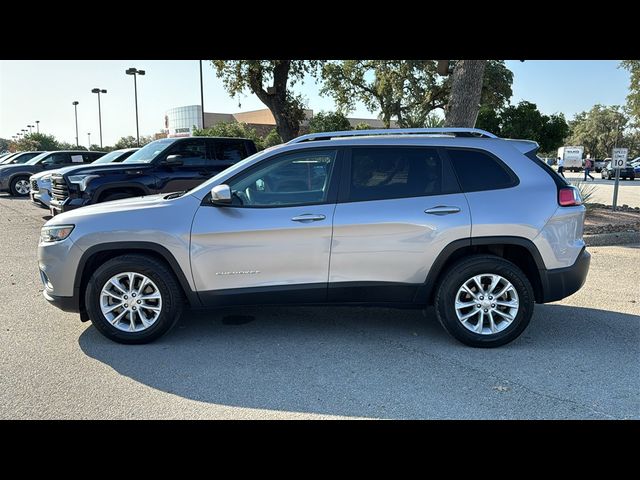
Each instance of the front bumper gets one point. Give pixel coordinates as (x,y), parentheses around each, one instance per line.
(66,304)
(559,283)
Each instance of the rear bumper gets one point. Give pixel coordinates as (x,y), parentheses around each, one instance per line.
(559,283)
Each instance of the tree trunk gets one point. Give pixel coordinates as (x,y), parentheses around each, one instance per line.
(464,99)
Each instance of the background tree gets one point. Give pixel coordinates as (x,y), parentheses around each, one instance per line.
(599,130)
(36,141)
(525,121)
(271,81)
(362,126)
(231,129)
(70,146)
(329,122)
(271,139)
(406,90)
(4,144)
(633,99)
(132,142)
(466,91)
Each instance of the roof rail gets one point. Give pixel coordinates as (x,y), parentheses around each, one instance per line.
(457,131)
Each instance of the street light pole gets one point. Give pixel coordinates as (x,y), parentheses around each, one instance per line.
(38,126)
(133,71)
(99,91)
(30,127)
(75,105)
(89,136)
(201,95)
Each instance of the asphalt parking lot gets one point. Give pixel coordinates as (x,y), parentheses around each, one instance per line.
(579,358)
(628,190)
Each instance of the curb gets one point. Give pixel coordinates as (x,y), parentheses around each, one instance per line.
(617,238)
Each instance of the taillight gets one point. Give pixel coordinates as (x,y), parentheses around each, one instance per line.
(569,197)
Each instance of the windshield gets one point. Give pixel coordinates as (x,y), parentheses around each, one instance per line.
(109,157)
(149,152)
(7,159)
(37,158)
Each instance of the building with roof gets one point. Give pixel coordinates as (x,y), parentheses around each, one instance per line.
(180,121)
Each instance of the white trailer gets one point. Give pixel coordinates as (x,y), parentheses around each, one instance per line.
(572,157)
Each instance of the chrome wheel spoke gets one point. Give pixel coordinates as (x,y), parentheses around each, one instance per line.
(495,279)
(510,303)
(116,319)
(139,310)
(478,281)
(467,316)
(461,305)
(492,324)
(479,325)
(468,291)
(508,318)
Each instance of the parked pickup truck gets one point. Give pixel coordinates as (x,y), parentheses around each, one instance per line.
(166,165)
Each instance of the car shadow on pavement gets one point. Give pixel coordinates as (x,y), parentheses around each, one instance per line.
(377,362)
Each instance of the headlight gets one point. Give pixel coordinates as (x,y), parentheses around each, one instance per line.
(82,180)
(55,233)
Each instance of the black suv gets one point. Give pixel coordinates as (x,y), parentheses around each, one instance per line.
(167,165)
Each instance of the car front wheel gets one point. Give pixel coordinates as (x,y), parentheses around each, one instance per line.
(20,186)
(133,299)
(484,301)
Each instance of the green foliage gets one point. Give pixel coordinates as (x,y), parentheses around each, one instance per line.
(433,121)
(272,82)
(231,129)
(37,141)
(525,121)
(587,190)
(271,139)
(633,99)
(131,142)
(362,126)
(598,130)
(70,146)
(329,122)
(408,90)
(4,144)
(97,148)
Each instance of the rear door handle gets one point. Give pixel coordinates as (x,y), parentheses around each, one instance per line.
(308,217)
(441,210)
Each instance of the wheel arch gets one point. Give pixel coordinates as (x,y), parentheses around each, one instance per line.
(520,251)
(128,187)
(95,256)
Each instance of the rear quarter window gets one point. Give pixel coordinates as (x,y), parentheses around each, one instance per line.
(478,171)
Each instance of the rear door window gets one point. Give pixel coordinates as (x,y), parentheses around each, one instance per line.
(193,152)
(478,170)
(386,172)
(230,150)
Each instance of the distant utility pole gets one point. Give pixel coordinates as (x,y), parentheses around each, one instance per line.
(201,94)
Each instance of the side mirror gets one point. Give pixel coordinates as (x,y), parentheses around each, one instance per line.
(174,160)
(221,194)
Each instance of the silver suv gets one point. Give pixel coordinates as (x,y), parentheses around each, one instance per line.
(476,225)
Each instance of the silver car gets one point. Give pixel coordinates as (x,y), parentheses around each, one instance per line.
(457,218)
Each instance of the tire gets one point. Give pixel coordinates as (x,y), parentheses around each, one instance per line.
(18,185)
(116,196)
(464,271)
(171,302)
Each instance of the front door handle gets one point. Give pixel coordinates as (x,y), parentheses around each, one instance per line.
(308,217)
(441,210)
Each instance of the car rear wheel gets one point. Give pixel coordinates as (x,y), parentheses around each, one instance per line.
(484,301)
(133,299)
(20,186)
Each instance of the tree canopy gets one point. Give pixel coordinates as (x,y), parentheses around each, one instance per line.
(407,90)
(272,82)
(131,142)
(633,99)
(525,121)
(599,130)
(329,122)
(232,129)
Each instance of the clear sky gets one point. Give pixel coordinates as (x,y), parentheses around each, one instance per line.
(45,90)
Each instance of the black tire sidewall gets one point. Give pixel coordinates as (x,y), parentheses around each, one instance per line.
(159,274)
(461,272)
(12,186)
